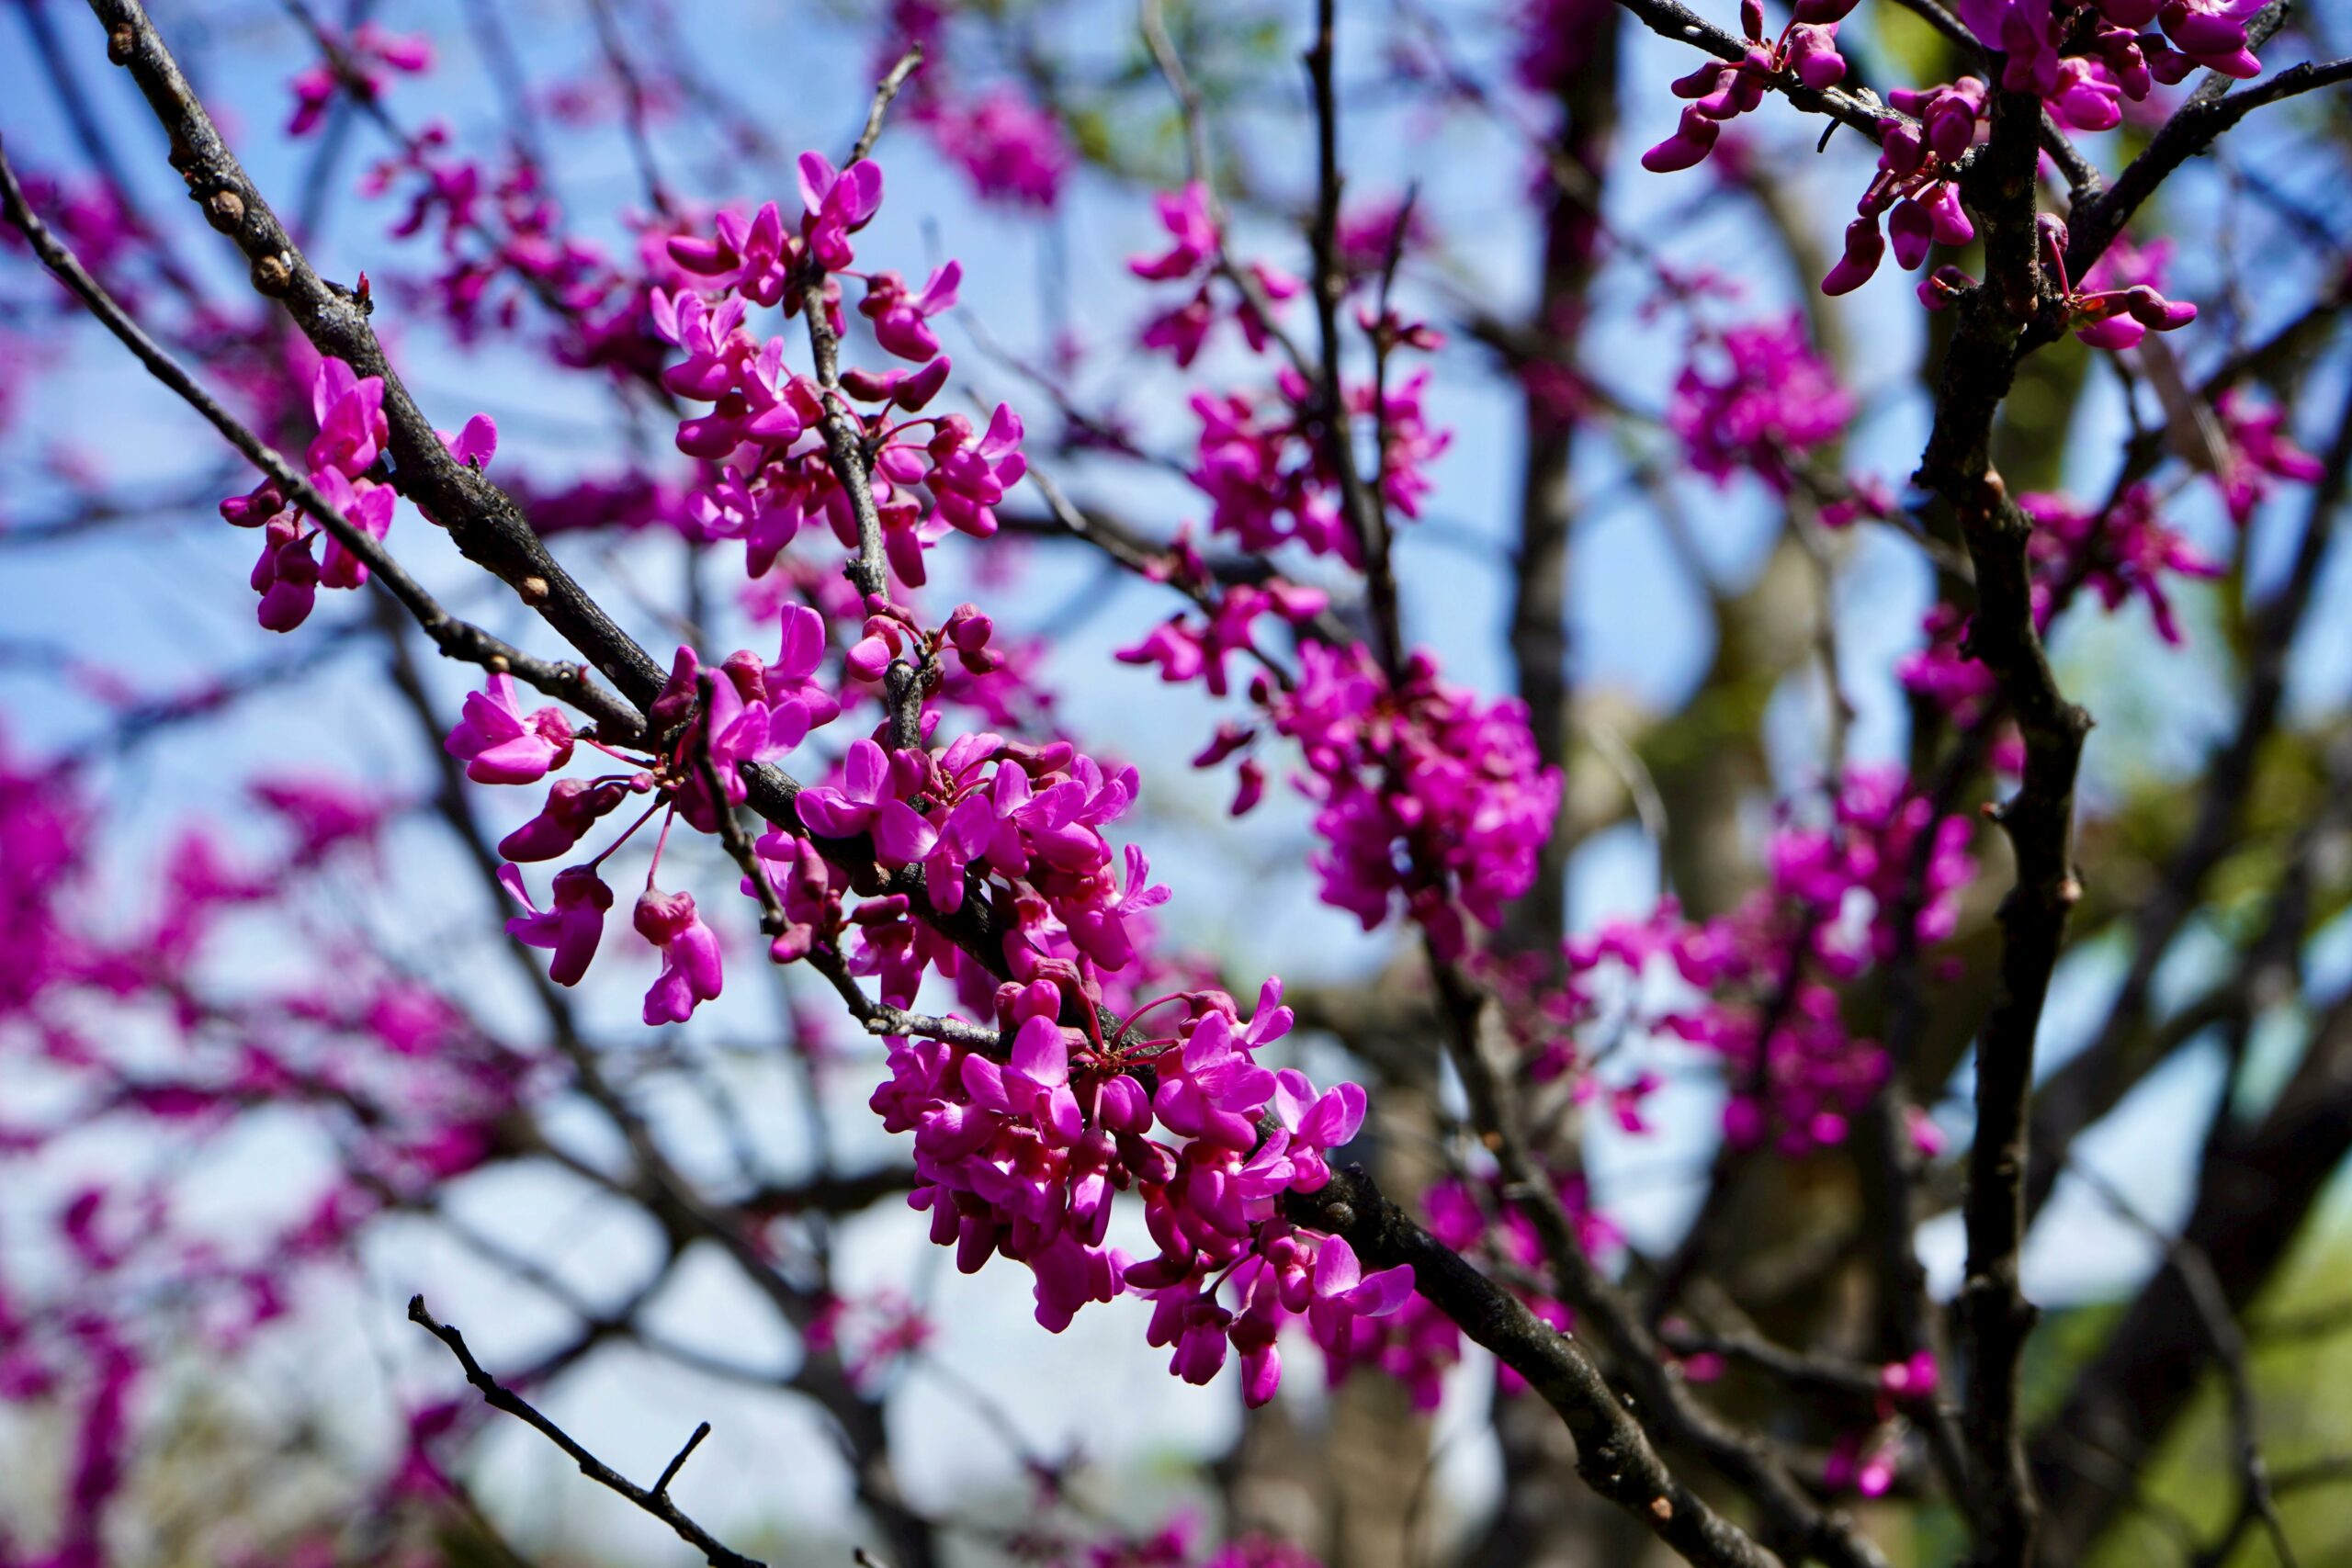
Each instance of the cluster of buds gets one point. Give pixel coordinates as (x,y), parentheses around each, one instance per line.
(1722,91)
(1915,187)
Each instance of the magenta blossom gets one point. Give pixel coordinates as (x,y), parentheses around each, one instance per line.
(740,732)
(573,926)
(498,745)
(2255,450)
(366,55)
(839,203)
(898,315)
(866,801)
(1342,1289)
(690,964)
(350,411)
(1191,232)
(1014,151)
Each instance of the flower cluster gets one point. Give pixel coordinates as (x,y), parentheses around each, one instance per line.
(1772,402)
(380,1090)
(742,713)
(1014,151)
(2125,553)
(353,431)
(1718,92)
(1942,673)
(2085,60)
(94,222)
(1266,466)
(1768,973)
(2118,303)
(1185,648)
(870,1333)
(1022,1158)
(1866,1460)
(1915,189)
(1424,793)
(355,65)
(1020,1143)
(2254,451)
(763,435)
(1196,253)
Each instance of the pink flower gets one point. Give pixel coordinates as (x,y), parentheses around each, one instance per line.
(475,445)
(807,885)
(1771,402)
(350,411)
(969,476)
(1034,1083)
(2255,450)
(367,54)
(498,745)
(287,577)
(690,964)
(752,255)
(866,801)
(839,203)
(1344,1291)
(802,650)
(1100,928)
(2127,552)
(1194,244)
(366,507)
(573,806)
(2119,300)
(742,733)
(1215,1090)
(1014,151)
(1316,1125)
(2212,33)
(899,316)
(573,926)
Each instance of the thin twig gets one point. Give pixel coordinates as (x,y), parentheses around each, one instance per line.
(655,1502)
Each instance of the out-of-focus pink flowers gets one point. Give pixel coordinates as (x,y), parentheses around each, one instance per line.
(1769,973)
(2256,449)
(1761,401)
(2125,554)
(1192,235)
(363,57)
(1014,151)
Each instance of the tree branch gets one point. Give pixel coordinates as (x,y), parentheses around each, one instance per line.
(656,1501)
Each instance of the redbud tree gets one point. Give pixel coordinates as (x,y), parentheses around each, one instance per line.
(1350,694)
